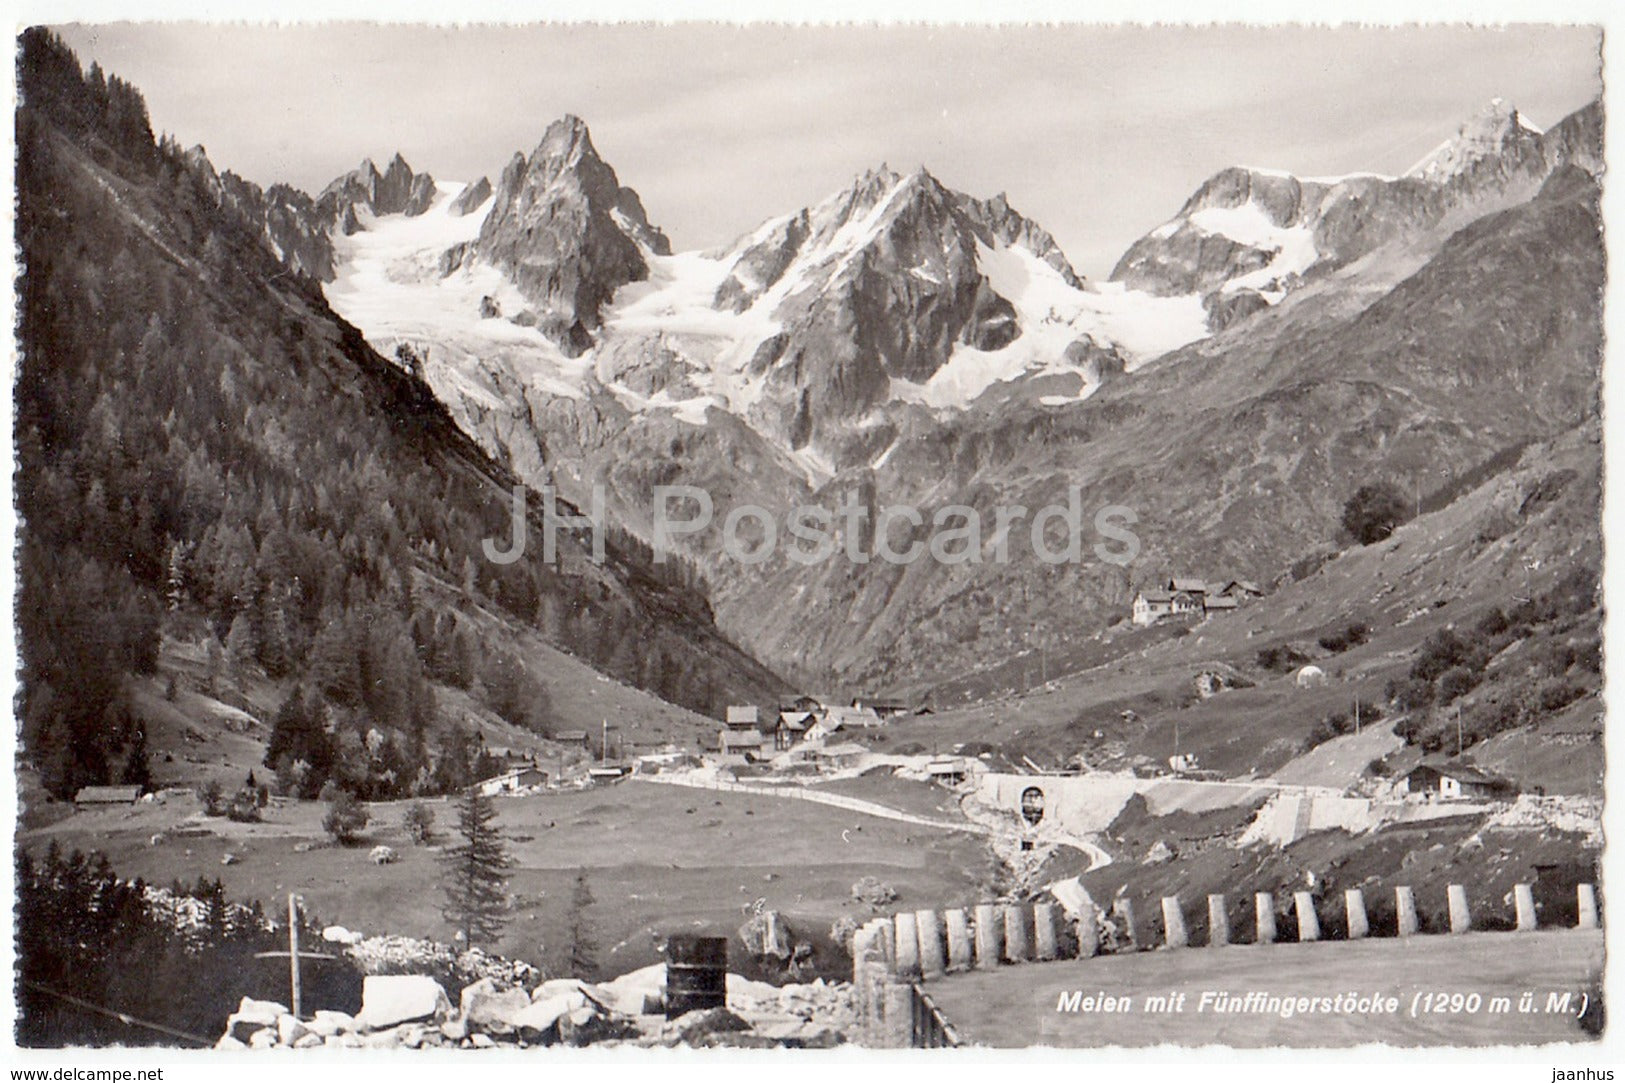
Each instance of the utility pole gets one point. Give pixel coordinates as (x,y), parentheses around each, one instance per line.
(1458,728)
(603,743)
(1356,716)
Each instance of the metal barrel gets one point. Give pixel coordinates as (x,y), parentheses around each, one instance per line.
(696,973)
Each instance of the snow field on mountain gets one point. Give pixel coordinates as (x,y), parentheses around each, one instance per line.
(389,285)
(1052,315)
(1248,224)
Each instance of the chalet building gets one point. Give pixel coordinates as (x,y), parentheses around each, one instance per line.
(514,781)
(1240,589)
(948,772)
(571,737)
(740,742)
(846,754)
(792,727)
(1454,782)
(884,709)
(743,718)
(1182,597)
(104,796)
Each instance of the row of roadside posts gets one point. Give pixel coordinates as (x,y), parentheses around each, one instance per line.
(891,955)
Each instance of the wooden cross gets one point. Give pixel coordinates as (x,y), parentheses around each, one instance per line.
(293,953)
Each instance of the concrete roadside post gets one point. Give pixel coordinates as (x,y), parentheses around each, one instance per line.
(932,964)
(1123,914)
(1218,922)
(1264,917)
(989,936)
(1173,923)
(1460,919)
(1088,930)
(1587,899)
(1308,923)
(1045,948)
(1523,900)
(872,978)
(1017,938)
(908,947)
(959,940)
(1405,908)
(1359,924)
(899,1024)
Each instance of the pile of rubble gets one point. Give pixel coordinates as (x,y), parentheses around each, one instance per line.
(413,1012)
(405,955)
(192,917)
(1581,815)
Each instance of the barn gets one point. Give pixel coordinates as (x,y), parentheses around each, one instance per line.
(1456,781)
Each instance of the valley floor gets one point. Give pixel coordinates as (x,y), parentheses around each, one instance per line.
(657,860)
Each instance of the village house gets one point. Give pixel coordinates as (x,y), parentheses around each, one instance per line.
(792,727)
(521,778)
(1186,597)
(853,717)
(947,772)
(571,737)
(747,743)
(846,754)
(743,718)
(882,708)
(102,796)
(1241,590)
(1449,782)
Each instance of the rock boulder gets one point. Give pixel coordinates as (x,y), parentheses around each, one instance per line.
(388,1000)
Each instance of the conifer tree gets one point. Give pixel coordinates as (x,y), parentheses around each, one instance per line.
(475,876)
(583,951)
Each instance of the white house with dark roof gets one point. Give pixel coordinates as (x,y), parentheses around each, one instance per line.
(1188,597)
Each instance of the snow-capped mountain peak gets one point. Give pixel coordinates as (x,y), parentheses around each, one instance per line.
(1493,132)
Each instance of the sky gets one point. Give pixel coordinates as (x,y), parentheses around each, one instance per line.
(1097,133)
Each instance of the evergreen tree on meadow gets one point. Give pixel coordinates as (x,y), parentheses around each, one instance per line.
(583,949)
(475,873)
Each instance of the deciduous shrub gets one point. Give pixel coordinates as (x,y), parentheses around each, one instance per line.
(1492,623)
(1555,695)
(346,817)
(1281,658)
(1373,512)
(418,821)
(1456,682)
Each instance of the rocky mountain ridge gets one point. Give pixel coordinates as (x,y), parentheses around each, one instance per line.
(565,232)
(832,352)
(1248,236)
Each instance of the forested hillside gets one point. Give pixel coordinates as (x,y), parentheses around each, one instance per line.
(207,454)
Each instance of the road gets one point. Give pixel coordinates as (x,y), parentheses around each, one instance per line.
(1016,1006)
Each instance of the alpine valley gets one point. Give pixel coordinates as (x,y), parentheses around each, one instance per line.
(268,443)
